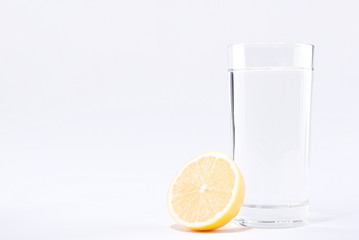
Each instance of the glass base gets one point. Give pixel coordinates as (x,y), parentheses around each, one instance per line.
(269,224)
(272,216)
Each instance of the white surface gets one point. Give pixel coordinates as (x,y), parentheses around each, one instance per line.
(101,103)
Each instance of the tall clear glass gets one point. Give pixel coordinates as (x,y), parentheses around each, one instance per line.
(270,108)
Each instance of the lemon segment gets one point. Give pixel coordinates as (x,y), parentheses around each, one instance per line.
(207,192)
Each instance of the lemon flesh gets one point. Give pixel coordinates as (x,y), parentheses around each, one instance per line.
(207,192)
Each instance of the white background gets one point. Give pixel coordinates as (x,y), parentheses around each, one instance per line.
(102,102)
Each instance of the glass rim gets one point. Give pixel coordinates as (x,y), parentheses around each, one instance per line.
(289,44)
(270,55)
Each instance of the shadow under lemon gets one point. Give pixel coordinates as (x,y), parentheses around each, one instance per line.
(229,228)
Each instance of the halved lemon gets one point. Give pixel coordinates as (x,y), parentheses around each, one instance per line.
(207,192)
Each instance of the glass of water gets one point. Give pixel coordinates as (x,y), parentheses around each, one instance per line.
(270,108)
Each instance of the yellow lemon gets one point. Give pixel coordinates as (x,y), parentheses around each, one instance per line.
(207,192)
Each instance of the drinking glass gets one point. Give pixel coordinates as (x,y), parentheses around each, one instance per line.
(270,111)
